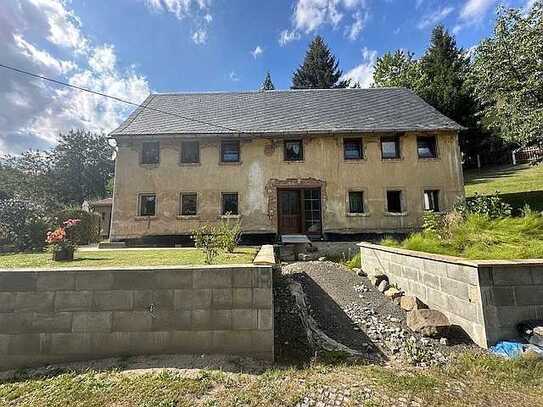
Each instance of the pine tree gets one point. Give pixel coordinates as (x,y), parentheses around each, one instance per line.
(445,67)
(319,70)
(267,84)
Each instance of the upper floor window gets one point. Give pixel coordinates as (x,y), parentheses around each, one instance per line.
(356,202)
(230,151)
(147,205)
(427,146)
(230,203)
(394,201)
(431,200)
(150,152)
(294,150)
(352,149)
(390,147)
(190,152)
(189,204)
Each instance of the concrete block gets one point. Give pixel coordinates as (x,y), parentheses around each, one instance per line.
(212,278)
(262,297)
(511,316)
(474,294)
(73,301)
(150,342)
(221,319)
(222,298)
(244,319)
(25,344)
(34,301)
(242,277)
(135,280)
(173,278)
(192,299)
(455,288)
(411,262)
(436,297)
(419,290)
(465,274)
(485,276)
(52,322)
(262,341)
(55,281)
(431,280)
(201,319)
(71,343)
(4,342)
(436,268)
(192,341)
(395,269)
(537,274)
(265,319)
(111,343)
(7,302)
(263,277)
(242,298)
(503,296)
(465,309)
(131,321)
(161,299)
(512,275)
(15,323)
(94,280)
(410,273)
(92,322)
(232,341)
(171,320)
(18,281)
(113,300)
(529,295)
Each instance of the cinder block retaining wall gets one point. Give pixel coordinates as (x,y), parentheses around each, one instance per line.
(486,298)
(51,316)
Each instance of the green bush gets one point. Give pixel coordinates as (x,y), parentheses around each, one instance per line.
(208,239)
(87,231)
(230,233)
(489,205)
(23,225)
(354,262)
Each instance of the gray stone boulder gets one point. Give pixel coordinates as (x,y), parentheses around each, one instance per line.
(410,303)
(393,293)
(377,278)
(428,322)
(383,286)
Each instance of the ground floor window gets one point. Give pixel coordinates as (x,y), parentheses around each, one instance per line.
(394,201)
(230,203)
(189,204)
(431,200)
(356,202)
(147,205)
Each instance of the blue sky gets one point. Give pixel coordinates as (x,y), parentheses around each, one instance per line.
(129,48)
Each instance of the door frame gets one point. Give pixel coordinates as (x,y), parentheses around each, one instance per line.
(300,190)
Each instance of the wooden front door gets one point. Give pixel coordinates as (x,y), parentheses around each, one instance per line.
(289,211)
(299,211)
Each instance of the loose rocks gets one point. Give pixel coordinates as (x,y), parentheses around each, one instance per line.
(428,322)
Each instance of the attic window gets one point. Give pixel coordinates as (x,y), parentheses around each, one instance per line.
(427,147)
(230,151)
(352,149)
(390,147)
(190,152)
(294,150)
(150,152)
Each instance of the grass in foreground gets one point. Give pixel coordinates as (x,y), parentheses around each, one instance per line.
(504,179)
(127,258)
(469,380)
(479,238)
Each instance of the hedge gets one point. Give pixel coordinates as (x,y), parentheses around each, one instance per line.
(88,231)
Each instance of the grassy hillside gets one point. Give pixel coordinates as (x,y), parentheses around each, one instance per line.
(518,185)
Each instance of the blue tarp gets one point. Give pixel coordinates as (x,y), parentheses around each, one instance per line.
(508,349)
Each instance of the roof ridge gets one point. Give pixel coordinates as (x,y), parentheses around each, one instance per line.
(226,92)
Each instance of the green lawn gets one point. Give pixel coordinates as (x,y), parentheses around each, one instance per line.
(470,380)
(508,179)
(127,258)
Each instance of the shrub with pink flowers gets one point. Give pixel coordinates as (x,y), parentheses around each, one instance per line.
(61,240)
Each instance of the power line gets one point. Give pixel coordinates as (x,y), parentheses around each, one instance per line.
(116,98)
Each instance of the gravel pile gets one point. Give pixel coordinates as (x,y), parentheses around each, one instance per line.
(349,309)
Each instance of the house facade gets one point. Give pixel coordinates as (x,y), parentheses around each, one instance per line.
(314,162)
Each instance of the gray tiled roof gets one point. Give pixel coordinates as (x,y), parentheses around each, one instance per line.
(291,111)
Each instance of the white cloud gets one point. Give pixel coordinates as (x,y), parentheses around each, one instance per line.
(32,111)
(199,37)
(432,19)
(287,36)
(310,15)
(363,73)
(233,76)
(257,51)
(528,6)
(475,9)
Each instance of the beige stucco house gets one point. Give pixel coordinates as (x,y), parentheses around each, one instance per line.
(314,162)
